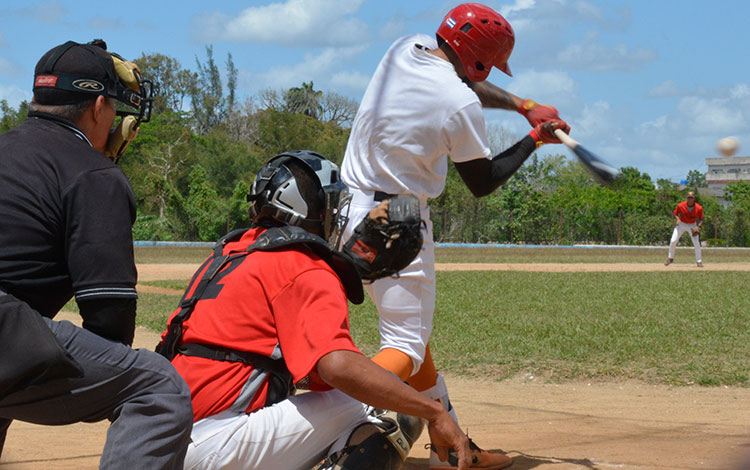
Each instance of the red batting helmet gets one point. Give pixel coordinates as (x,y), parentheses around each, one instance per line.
(480,37)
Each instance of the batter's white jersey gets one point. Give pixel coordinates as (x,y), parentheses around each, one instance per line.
(416,110)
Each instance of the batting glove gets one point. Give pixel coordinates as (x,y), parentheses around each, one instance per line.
(544,133)
(537,113)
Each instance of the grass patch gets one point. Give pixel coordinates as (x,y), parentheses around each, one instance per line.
(565,326)
(585,255)
(178,284)
(191,254)
(171,254)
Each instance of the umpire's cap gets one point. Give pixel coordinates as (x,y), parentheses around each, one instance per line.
(73,72)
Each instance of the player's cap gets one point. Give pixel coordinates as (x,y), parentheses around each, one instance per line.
(72,72)
(691,194)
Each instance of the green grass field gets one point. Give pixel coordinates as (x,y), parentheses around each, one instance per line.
(499,255)
(659,327)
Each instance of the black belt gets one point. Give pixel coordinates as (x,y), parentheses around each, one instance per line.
(381,196)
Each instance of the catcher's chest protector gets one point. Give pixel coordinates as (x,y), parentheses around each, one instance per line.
(280,380)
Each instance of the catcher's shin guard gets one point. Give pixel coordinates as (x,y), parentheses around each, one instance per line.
(382,446)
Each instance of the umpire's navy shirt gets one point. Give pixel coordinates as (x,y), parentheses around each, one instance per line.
(66,217)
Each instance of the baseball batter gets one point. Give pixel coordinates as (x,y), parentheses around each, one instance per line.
(67,212)
(688,217)
(269,309)
(424,102)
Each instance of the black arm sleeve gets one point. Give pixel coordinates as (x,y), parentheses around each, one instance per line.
(111,318)
(482,176)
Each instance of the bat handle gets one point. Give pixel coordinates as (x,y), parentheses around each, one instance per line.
(566,139)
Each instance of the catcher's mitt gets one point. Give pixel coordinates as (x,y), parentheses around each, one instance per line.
(695,231)
(387,240)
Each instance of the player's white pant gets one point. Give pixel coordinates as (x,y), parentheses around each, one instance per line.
(293,434)
(679,229)
(405,304)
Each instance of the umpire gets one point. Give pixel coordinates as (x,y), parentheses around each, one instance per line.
(67,212)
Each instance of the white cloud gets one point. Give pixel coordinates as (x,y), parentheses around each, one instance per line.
(545,29)
(590,54)
(673,143)
(354,81)
(740,91)
(717,116)
(292,23)
(597,120)
(664,90)
(548,87)
(319,67)
(106,23)
(658,125)
(516,7)
(50,12)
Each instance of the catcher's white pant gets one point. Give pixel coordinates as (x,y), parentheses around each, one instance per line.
(296,433)
(679,229)
(405,303)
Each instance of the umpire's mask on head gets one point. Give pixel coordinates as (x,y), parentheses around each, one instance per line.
(301,188)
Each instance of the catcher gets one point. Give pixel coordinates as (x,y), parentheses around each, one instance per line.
(267,314)
(688,217)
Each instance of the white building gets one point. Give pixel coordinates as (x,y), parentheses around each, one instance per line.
(725,170)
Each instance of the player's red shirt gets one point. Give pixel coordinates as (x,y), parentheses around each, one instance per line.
(686,215)
(290,297)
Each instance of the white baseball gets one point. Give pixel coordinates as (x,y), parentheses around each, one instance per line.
(727,146)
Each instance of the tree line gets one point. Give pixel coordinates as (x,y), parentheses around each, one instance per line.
(192,165)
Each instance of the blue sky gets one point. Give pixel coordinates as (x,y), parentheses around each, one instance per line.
(651,84)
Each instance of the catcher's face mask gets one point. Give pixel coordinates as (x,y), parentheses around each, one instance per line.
(336,215)
(116,78)
(275,195)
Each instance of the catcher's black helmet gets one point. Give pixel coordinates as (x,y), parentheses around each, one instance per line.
(301,188)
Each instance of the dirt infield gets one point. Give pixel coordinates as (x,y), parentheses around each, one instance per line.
(595,426)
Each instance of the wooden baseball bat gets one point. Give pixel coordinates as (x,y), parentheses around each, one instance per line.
(603,172)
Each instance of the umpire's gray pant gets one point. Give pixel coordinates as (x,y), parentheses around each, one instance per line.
(139,391)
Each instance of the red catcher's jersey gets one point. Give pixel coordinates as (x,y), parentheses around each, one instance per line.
(289,297)
(687,216)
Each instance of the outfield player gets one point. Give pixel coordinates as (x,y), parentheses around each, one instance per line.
(67,212)
(424,102)
(688,217)
(269,309)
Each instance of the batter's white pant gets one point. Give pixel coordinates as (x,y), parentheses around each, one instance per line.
(296,433)
(406,303)
(679,229)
